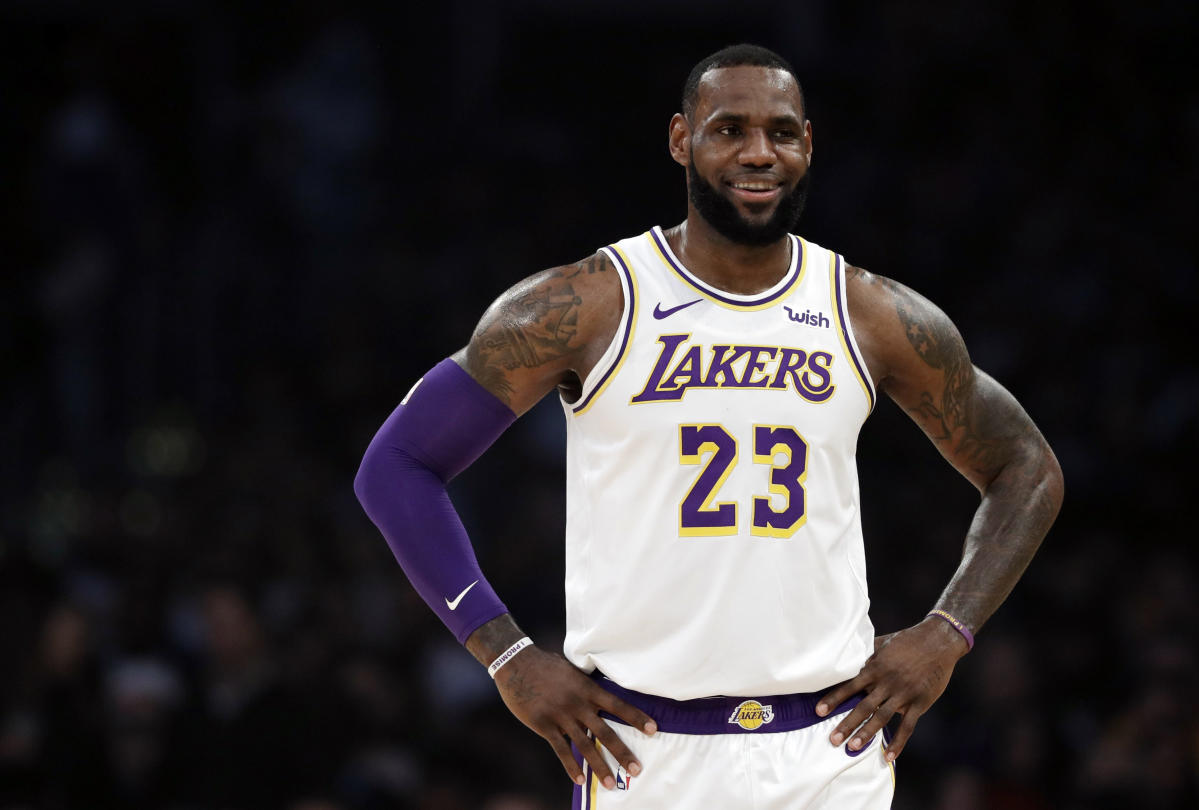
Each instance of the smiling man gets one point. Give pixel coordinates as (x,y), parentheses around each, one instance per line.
(715,376)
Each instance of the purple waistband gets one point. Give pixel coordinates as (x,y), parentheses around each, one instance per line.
(726,715)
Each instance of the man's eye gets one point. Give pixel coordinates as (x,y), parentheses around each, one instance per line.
(785,134)
(729,130)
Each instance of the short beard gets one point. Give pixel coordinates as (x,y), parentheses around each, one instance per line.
(721,213)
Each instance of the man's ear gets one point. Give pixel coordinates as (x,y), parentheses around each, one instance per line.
(679,135)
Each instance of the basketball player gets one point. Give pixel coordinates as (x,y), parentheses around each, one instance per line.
(715,376)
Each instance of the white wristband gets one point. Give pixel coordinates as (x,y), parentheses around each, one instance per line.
(508,654)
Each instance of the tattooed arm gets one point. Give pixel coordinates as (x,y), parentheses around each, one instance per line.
(916,355)
(546,332)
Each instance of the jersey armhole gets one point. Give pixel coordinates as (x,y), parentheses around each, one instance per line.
(613,357)
(845,330)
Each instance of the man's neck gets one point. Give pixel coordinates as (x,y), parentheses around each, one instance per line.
(730,266)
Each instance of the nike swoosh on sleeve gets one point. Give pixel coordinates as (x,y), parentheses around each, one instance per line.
(660,313)
(454,605)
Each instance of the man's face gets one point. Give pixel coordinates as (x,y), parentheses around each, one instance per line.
(748,153)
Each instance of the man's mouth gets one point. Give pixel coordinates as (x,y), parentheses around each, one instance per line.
(757,191)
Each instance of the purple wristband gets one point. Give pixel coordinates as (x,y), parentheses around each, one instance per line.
(957,625)
(445,423)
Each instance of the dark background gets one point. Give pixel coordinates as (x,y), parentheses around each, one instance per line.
(236,236)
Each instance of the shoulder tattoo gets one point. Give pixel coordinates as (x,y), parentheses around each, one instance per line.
(531,325)
(599,263)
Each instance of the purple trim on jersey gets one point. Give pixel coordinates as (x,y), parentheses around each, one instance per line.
(850,752)
(712,715)
(445,423)
(843,316)
(580,796)
(797,257)
(627,330)
(860,751)
(577,793)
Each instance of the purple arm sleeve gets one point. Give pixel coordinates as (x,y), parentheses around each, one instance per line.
(445,423)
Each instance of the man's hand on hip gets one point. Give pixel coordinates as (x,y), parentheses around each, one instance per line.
(907,673)
(554,698)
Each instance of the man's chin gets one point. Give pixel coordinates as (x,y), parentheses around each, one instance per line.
(758,218)
(750,215)
(757,226)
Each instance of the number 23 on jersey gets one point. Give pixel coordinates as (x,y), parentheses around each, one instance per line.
(702,515)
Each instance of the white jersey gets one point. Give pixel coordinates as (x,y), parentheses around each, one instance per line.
(713,532)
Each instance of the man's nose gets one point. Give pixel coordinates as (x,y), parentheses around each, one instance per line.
(757,149)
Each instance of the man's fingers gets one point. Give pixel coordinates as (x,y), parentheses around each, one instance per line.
(562,749)
(594,757)
(865,734)
(625,711)
(615,746)
(837,696)
(902,734)
(855,718)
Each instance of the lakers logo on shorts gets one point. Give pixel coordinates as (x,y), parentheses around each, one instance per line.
(751,715)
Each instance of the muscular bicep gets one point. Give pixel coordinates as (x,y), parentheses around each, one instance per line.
(544,332)
(974,422)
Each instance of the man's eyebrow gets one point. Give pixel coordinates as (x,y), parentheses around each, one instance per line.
(741,118)
(786,121)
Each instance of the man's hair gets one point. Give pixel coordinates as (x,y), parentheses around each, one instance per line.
(734,56)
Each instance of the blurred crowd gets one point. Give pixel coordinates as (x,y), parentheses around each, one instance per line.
(242,235)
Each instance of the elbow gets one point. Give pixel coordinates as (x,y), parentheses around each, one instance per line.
(1054,482)
(367,475)
(360,485)
(1045,485)
(1032,478)
(386,469)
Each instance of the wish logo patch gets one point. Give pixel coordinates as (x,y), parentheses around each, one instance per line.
(752,715)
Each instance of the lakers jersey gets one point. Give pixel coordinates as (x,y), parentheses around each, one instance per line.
(713,535)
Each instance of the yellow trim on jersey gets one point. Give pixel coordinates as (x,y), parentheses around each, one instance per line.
(628,344)
(595,779)
(707,507)
(779,489)
(695,284)
(843,328)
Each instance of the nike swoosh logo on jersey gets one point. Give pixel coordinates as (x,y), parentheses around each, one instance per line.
(454,605)
(660,313)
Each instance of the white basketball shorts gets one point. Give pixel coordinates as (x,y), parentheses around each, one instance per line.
(765,753)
